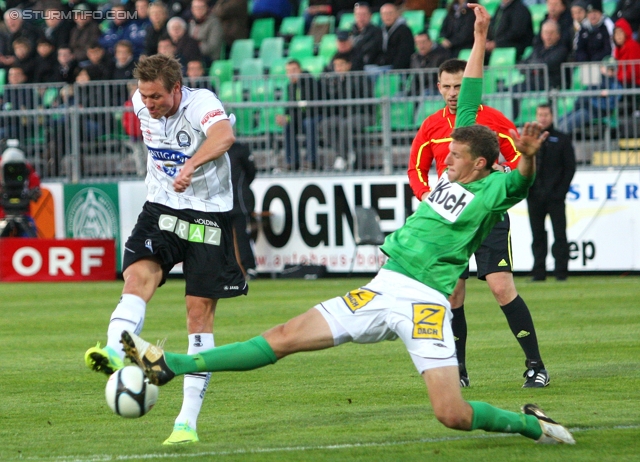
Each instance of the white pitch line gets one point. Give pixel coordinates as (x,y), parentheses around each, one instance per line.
(248,451)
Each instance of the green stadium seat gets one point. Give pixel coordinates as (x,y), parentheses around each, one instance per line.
(538,12)
(328,46)
(435,22)
(272,48)
(262,29)
(314,65)
(278,67)
(426,108)
(528,108)
(3,80)
(292,26)
(415,20)
(302,7)
(491,6)
(402,116)
(375,19)
(301,46)
(251,67)
(241,50)
(609,7)
(346,21)
(526,53)
(503,104)
(221,71)
(464,54)
(503,57)
(230,91)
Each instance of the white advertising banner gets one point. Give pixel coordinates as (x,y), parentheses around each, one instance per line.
(310,220)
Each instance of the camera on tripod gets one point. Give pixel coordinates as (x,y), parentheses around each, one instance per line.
(15,193)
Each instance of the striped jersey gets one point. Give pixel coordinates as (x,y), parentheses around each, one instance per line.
(171,141)
(436,242)
(433,138)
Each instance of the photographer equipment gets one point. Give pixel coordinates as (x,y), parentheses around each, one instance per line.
(15,194)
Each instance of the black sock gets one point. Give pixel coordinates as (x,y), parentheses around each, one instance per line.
(521,324)
(459,327)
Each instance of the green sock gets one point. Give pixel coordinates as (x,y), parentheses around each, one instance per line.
(491,419)
(243,356)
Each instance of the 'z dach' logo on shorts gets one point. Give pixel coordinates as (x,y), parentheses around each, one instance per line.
(190,231)
(428,321)
(449,199)
(358,298)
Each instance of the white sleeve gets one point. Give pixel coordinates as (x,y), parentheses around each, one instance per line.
(208,109)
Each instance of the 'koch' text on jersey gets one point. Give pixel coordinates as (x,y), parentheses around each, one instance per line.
(449,199)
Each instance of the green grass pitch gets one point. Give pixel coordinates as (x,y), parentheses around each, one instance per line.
(354,402)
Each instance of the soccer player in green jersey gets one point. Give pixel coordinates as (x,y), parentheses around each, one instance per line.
(408,297)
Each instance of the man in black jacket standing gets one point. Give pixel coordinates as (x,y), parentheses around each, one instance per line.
(556,165)
(511,26)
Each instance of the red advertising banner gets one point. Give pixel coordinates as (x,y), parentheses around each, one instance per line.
(57,259)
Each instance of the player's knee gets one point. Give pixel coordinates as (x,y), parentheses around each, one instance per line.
(452,418)
(281,340)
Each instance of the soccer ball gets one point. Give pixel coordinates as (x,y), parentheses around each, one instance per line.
(129,394)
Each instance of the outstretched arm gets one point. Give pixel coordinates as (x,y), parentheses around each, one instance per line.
(471,90)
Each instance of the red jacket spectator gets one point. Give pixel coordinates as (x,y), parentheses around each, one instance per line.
(626,49)
(131,123)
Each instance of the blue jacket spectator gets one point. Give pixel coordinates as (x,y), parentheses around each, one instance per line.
(122,28)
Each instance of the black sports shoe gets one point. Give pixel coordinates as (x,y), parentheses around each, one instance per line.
(552,431)
(536,376)
(149,357)
(464,377)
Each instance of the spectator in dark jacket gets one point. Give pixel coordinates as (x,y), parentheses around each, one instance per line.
(234,17)
(101,62)
(46,62)
(299,120)
(85,32)
(66,71)
(187,49)
(594,39)
(25,58)
(552,51)
(125,62)
(456,32)
(629,10)
(510,26)
(397,39)
(157,29)
(555,167)
(366,38)
(58,30)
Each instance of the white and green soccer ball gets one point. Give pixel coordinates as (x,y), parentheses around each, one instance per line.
(129,394)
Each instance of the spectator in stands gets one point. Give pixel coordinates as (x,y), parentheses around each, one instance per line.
(142,17)
(629,10)
(121,27)
(25,59)
(125,62)
(102,62)
(204,28)
(130,121)
(187,48)
(551,50)
(558,11)
(397,39)
(340,122)
(58,29)
(17,28)
(429,55)
(195,74)
(157,28)
(510,26)
(67,65)
(366,37)
(594,40)
(591,110)
(85,32)
(167,48)
(276,9)
(335,8)
(299,119)
(579,15)
(626,49)
(456,32)
(344,44)
(46,62)
(15,98)
(234,17)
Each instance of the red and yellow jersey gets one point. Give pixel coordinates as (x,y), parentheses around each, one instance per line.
(433,138)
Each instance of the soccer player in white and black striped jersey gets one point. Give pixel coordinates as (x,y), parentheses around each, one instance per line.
(185,219)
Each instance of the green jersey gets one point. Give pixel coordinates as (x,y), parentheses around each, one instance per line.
(436,242)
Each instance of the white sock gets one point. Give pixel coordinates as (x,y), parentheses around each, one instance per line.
(195,385)
(128,315)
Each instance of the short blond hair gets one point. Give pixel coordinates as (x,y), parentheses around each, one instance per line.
(159,67)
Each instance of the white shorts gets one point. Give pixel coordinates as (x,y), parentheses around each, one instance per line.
(390,306)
